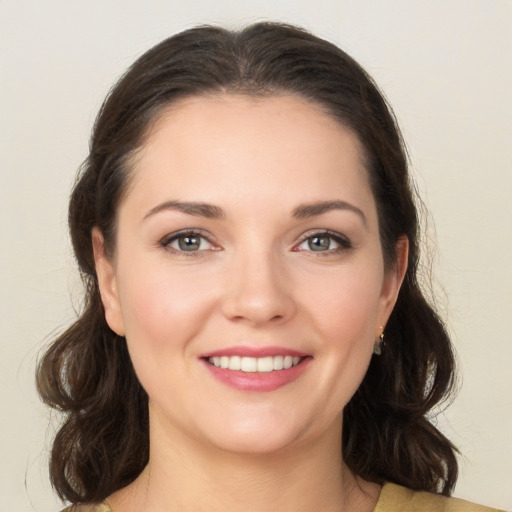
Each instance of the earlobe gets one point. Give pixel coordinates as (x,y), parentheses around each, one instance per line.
(394,279)
(107,282)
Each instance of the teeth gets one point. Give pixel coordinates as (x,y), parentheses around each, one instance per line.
(235,363)
(249,364)
(265,364)
(255,364)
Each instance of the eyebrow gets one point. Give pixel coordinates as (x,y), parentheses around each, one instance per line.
(192,208)
(210,211)
(311,210)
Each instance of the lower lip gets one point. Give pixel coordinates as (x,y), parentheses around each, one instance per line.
(259,382)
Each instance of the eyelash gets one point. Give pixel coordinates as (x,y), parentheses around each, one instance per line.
(343,243)
(190,233)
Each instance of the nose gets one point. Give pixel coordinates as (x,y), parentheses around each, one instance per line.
(258,290)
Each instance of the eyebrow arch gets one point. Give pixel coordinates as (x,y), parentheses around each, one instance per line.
(310,210)
(192,208)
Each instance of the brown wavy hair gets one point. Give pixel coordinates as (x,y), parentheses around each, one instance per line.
(388,434)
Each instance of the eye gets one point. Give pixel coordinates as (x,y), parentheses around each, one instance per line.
(324,242)
(187,241)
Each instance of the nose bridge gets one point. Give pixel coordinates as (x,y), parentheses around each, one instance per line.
(258,289)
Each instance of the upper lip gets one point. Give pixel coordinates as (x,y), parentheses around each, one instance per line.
(247,351)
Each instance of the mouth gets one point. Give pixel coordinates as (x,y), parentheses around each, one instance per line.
(256,369)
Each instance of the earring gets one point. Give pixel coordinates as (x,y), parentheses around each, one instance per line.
(379,343)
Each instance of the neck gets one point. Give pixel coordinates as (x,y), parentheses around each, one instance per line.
(184,475)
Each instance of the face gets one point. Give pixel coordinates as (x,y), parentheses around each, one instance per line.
(248,275)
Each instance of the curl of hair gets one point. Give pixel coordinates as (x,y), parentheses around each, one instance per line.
(103,442)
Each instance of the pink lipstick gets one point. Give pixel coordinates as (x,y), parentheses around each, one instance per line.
(256,368)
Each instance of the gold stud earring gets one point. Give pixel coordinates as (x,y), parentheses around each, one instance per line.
(379,343)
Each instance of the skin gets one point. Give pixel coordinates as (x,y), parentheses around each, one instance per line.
(255,281)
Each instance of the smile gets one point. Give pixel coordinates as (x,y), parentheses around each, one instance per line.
(251,369)
(255,364)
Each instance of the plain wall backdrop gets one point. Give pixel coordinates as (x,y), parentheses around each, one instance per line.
(445,66)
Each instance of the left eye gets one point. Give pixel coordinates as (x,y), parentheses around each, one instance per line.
(323,242)
(188,242)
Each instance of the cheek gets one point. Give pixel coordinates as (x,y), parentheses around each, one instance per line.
(346,306)
(345,318)
(162,308)
(162,315)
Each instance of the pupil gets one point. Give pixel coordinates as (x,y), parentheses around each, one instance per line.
(319,243)
(189,243)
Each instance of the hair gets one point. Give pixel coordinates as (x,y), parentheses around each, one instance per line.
(388,432)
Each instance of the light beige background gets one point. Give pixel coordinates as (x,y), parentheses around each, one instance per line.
(445,66)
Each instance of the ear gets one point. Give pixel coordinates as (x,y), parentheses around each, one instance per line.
(108,283)
(393,281)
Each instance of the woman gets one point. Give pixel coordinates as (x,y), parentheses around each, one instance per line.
(253,336)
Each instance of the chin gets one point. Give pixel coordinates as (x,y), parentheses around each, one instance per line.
(258,433)
(254,444)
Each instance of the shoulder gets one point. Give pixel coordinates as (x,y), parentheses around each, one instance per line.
(395,498)
(103,507)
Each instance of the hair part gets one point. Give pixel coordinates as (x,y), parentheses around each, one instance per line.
(103,442)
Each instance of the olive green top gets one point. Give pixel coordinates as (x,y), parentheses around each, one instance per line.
(393,498)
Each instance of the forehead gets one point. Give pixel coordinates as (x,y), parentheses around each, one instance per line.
(245,145)
(224,110)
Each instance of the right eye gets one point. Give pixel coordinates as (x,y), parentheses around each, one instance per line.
(187,242)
